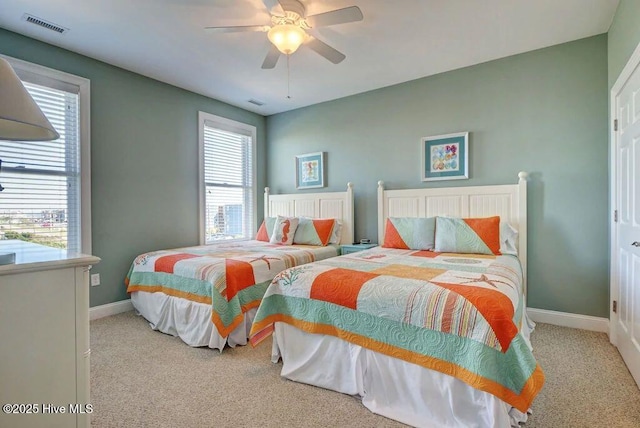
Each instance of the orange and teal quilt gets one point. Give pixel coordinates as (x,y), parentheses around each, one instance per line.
(459,314)
(231,277)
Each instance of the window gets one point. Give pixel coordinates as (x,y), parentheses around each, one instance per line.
(227,179)
(46,196)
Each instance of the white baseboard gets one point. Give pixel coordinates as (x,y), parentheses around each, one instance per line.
(110,309)
(565,319)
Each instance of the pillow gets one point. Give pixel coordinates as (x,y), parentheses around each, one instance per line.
(314,231)
(508,239)
(266,229)
(336,233)
(468,235)
(283,230)
(410,233)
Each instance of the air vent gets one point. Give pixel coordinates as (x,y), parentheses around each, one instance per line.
(256,102)
(44,24)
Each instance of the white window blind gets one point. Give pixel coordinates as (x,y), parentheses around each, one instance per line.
(228,182)
(41,198)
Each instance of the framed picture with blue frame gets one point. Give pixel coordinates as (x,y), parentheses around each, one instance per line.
(310,170)
(445,157)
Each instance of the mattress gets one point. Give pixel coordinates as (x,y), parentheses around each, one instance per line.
(204,293)
(403,315)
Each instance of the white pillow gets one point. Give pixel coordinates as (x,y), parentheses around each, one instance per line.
(284,230)
(508,239)
(336,234)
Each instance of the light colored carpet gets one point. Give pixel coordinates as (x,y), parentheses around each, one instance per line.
(143,378)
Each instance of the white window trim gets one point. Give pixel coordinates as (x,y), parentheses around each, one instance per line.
(230,126)
(84,86)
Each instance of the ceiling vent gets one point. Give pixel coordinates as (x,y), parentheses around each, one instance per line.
(256,102)
(44,24)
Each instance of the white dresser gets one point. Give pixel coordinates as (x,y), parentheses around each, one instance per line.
(44,337)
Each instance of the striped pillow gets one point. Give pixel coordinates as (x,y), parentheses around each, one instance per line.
(410,233)
(313,231)
(468,235)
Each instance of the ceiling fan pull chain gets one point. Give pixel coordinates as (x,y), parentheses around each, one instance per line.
(288,79)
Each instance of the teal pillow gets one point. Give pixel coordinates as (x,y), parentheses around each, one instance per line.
(314,231)
(468,235)
(410,233)
(266,229)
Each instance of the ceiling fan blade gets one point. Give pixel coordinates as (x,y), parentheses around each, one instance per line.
(270,4)
(338,16)
(293,6)
(271,59)
(238,28)
(325,50)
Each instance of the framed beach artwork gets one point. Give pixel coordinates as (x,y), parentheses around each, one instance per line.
(445,157)
(310,170)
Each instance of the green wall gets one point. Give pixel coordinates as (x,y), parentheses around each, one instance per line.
(624,37)
(144,159)
(544,112)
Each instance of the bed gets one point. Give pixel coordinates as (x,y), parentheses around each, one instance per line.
(428,338)
(208,295)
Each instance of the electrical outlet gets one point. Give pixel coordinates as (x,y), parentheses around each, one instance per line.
(95,279)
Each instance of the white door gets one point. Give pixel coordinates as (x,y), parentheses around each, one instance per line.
(626,263)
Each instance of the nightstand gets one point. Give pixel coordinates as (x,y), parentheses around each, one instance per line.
(354,248)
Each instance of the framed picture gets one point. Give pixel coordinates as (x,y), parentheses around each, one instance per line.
(445,157)
(310,170)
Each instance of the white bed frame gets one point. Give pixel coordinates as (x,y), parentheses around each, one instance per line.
(394,388)
(164,312)
(509,201)
(337,205)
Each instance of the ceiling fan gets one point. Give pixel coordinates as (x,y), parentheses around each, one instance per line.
(288,29)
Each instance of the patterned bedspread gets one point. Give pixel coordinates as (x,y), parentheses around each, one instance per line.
(459,314)
(231,277)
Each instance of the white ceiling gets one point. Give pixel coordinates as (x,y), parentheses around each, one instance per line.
(396,42)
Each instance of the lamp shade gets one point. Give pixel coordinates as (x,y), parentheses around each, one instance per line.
(20,117)
(286,37)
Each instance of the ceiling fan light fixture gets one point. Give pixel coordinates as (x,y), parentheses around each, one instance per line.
(286,37)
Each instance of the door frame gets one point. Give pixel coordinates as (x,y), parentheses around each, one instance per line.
(623,77)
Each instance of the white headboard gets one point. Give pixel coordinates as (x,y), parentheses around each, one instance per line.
(508,201)
(316,205)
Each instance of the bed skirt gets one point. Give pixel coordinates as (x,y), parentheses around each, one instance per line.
(190,321)
(388,386)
